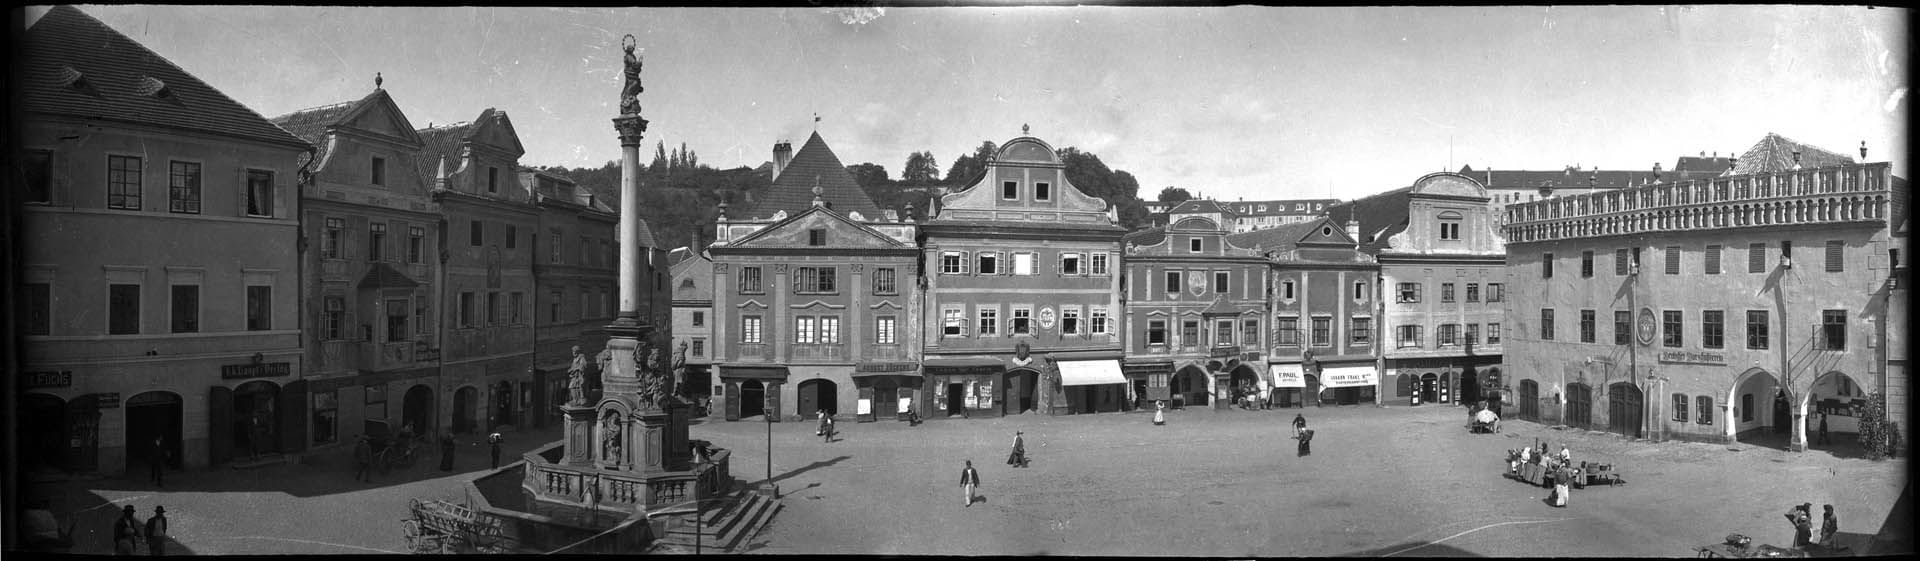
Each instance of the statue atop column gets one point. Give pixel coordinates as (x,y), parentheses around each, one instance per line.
(577,379)
(630,92)
(680,368)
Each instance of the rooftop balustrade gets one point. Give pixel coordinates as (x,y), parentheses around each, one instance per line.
(1851,193)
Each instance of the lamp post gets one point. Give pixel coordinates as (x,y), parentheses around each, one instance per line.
(767,412)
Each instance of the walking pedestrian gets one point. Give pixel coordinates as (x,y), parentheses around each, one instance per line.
(157,458)
(363,460)
(1306,447)
(1562,485)
(826,427)
(1823,430)
(157,532)
(1159,413)
(446,451)
(1830,530)
(126,532)
(493,448)
(969,480)
(1019,456)
(1299,424)
(1566,457)
(1801,518)
(820,422)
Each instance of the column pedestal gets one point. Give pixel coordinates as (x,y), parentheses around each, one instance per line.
(579,434)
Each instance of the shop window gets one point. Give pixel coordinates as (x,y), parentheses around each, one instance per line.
(1703,410)
(326,417)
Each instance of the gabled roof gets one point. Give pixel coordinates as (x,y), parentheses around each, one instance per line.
(1774,153)
(813,164)
(311,124)
(76,66)
(1711,165)
(438,142)
(1144,237)
(698,268)
(1380,216)
(1199,206)
(1284,236)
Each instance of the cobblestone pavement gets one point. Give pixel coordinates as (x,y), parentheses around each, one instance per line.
(1380,482)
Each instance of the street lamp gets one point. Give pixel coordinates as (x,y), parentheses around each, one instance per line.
(766,410)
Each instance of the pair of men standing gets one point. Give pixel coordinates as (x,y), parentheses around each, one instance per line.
(128,532)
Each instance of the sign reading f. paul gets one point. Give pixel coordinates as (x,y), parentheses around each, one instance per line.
(256,370)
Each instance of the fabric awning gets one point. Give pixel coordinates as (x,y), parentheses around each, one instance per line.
(756,372)
(1090,372)
(1287,375)
(1348,377)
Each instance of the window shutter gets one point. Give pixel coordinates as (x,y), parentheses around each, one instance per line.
(1835,249)
(1673,260)
(1713,260)
(1620,262)
(1757,258)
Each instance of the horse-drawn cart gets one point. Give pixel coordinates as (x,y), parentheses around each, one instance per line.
(444,527)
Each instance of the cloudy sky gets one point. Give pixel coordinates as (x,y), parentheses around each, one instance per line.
(1232,102)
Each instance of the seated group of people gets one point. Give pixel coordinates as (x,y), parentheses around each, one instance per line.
(1528,455)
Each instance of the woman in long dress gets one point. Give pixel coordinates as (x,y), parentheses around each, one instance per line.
(1159,412)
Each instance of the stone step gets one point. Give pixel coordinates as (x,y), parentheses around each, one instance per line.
(751,514)
(742,507)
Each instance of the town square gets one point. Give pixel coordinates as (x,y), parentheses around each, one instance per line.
(1221,281)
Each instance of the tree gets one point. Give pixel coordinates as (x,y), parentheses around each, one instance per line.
(659,164)
(869,175)
(969,166)
(921,168)
(1878,434)
(1173,194)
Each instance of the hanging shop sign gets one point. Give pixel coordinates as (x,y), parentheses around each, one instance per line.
(255,370)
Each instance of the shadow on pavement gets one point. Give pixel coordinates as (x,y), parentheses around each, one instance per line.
(809,467)
(1414,549)
(90,518)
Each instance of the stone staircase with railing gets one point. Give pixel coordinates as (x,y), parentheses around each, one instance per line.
(727,527)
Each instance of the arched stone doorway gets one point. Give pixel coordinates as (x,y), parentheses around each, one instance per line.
(1579,412)
(753,398)
(1470,386)
(1530,400)
(466,401)
(1246,383)
(818,395)
(417,409)
(59,435)
(1190,387)
(1752,403)
(153,415)
(1429,388)
(1626,406)
(1836,399)
(254,428)
(1406,385)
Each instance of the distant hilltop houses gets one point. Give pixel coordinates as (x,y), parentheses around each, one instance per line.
(1245,216)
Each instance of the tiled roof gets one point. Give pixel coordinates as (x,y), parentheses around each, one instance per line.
(1284,236)
(437,142)
(1198,206)
(1145,237)
(1380,216)
(697,268)
(311,124)
(125,82)
(646,238)
(1775,153)
(1714,165)
(793,190)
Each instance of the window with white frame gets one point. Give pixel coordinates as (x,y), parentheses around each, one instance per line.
(1069,321)
(1407,336)
(883,330)
(1286,331)
(1157,332)
(829,330)
(989,320)
(1098,265)
(814,280)
(332,237)
(750,281)
(1323,332)
(1493,333)
(953,322)
(1223,333)
(1023,263)
(803,330)
(750,329)
(1360,291)
(1360,331)
(884,281)
(1022,321)
(1173,282)
(987,263)
(1407,293)
(1100,323)
(953,263)
(1070,263)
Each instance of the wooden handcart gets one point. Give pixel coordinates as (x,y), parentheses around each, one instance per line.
(443,527)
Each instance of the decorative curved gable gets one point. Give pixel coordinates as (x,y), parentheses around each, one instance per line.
(797,232)
(1448,184)
(1196,223)
(1026,163)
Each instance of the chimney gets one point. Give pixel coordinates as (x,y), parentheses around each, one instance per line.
(782,155)
(445,182)
(1353,228)
(1796,158)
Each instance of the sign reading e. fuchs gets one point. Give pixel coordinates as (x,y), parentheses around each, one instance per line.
(47,379)
(259,370)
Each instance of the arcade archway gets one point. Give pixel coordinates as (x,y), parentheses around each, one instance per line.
(1190,387)
(1837,400)
(1753,402)
(154,415)
(416,409)
(818,395)
(466,402)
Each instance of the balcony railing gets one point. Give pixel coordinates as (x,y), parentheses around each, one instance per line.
(1831,195)
(884,353)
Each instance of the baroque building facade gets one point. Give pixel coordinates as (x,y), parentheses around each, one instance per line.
(1323,303)
(576,275)
(159,273)
(1745,307)
(1022,281)
(1196,312)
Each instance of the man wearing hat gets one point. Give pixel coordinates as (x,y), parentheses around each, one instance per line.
(126,532)
(157,532)
(1019,456)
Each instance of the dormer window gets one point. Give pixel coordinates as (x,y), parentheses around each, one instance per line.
(1042,192)
(1450,225)
(817,237)
(1009,190)
(71,78)
(1193,245)
(493,180)
(378,171)
(154,88)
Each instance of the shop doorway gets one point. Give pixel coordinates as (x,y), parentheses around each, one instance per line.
(1624,408)
(56,434)
(1781,414)
(417,409)
(1190,388)
(1470,386)
(465,401)
(1312,393)
(254,429)
(818,395)
(1022,385)
(1530,400)
(502,410)
(1579,406)
(153,415)
(1429,388)
(753,398)
(886,404)
(1246,385)
(956,399)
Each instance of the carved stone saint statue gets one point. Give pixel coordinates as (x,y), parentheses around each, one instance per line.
(630,93)
(577,379)
(610,437)
(680,368)
(652,388)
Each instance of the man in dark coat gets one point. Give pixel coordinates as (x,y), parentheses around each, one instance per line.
(446,451)
(969,480)
(362,460)
(157,532)
(126,532)
(157,457)
(493,448)
(1019,456)
(1299,423)
(1306,437)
